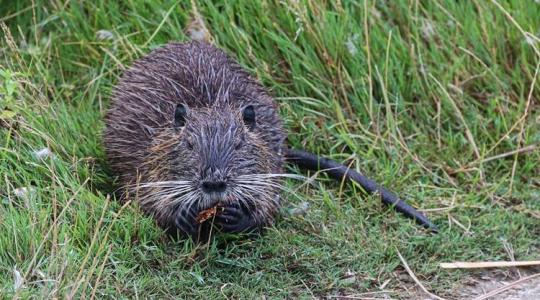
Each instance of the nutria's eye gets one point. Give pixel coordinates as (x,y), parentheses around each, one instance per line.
(180,116)
(248,114)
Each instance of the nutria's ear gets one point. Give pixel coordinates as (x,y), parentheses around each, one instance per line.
(248,114)
(180,116)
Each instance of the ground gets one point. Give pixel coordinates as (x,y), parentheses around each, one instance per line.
(436,100)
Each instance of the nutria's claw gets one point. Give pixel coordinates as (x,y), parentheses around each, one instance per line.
(185,222)
(235,219)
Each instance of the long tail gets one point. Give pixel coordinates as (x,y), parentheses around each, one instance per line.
(336,170)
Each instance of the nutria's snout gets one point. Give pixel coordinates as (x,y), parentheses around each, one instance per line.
(214,192)
(213,187)
(213,176)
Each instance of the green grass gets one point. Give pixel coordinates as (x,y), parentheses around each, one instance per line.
(419,95)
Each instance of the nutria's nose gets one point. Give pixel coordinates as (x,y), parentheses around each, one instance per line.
(214,186)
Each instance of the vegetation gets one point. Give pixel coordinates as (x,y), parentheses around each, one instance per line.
(437,100)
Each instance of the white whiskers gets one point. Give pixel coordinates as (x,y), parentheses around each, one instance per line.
(250,190)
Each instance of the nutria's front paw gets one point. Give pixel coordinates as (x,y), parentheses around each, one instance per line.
(186,222)
(234,218)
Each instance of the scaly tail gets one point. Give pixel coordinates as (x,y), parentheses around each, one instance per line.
(338,171)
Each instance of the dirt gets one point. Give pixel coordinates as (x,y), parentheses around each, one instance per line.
(488,281)
(477,284)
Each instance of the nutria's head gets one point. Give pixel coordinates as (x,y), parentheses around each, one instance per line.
(220,156)
(208,157)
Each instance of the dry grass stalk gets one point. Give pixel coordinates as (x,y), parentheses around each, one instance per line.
(415,278)
(489,264)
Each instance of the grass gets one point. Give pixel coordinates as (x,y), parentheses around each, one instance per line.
(429,98)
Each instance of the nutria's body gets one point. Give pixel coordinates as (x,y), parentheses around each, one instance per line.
(190,130)
(178,125)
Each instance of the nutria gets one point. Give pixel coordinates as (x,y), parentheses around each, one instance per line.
(189,129)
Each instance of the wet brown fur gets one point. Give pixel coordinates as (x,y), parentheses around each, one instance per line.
(143,147)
